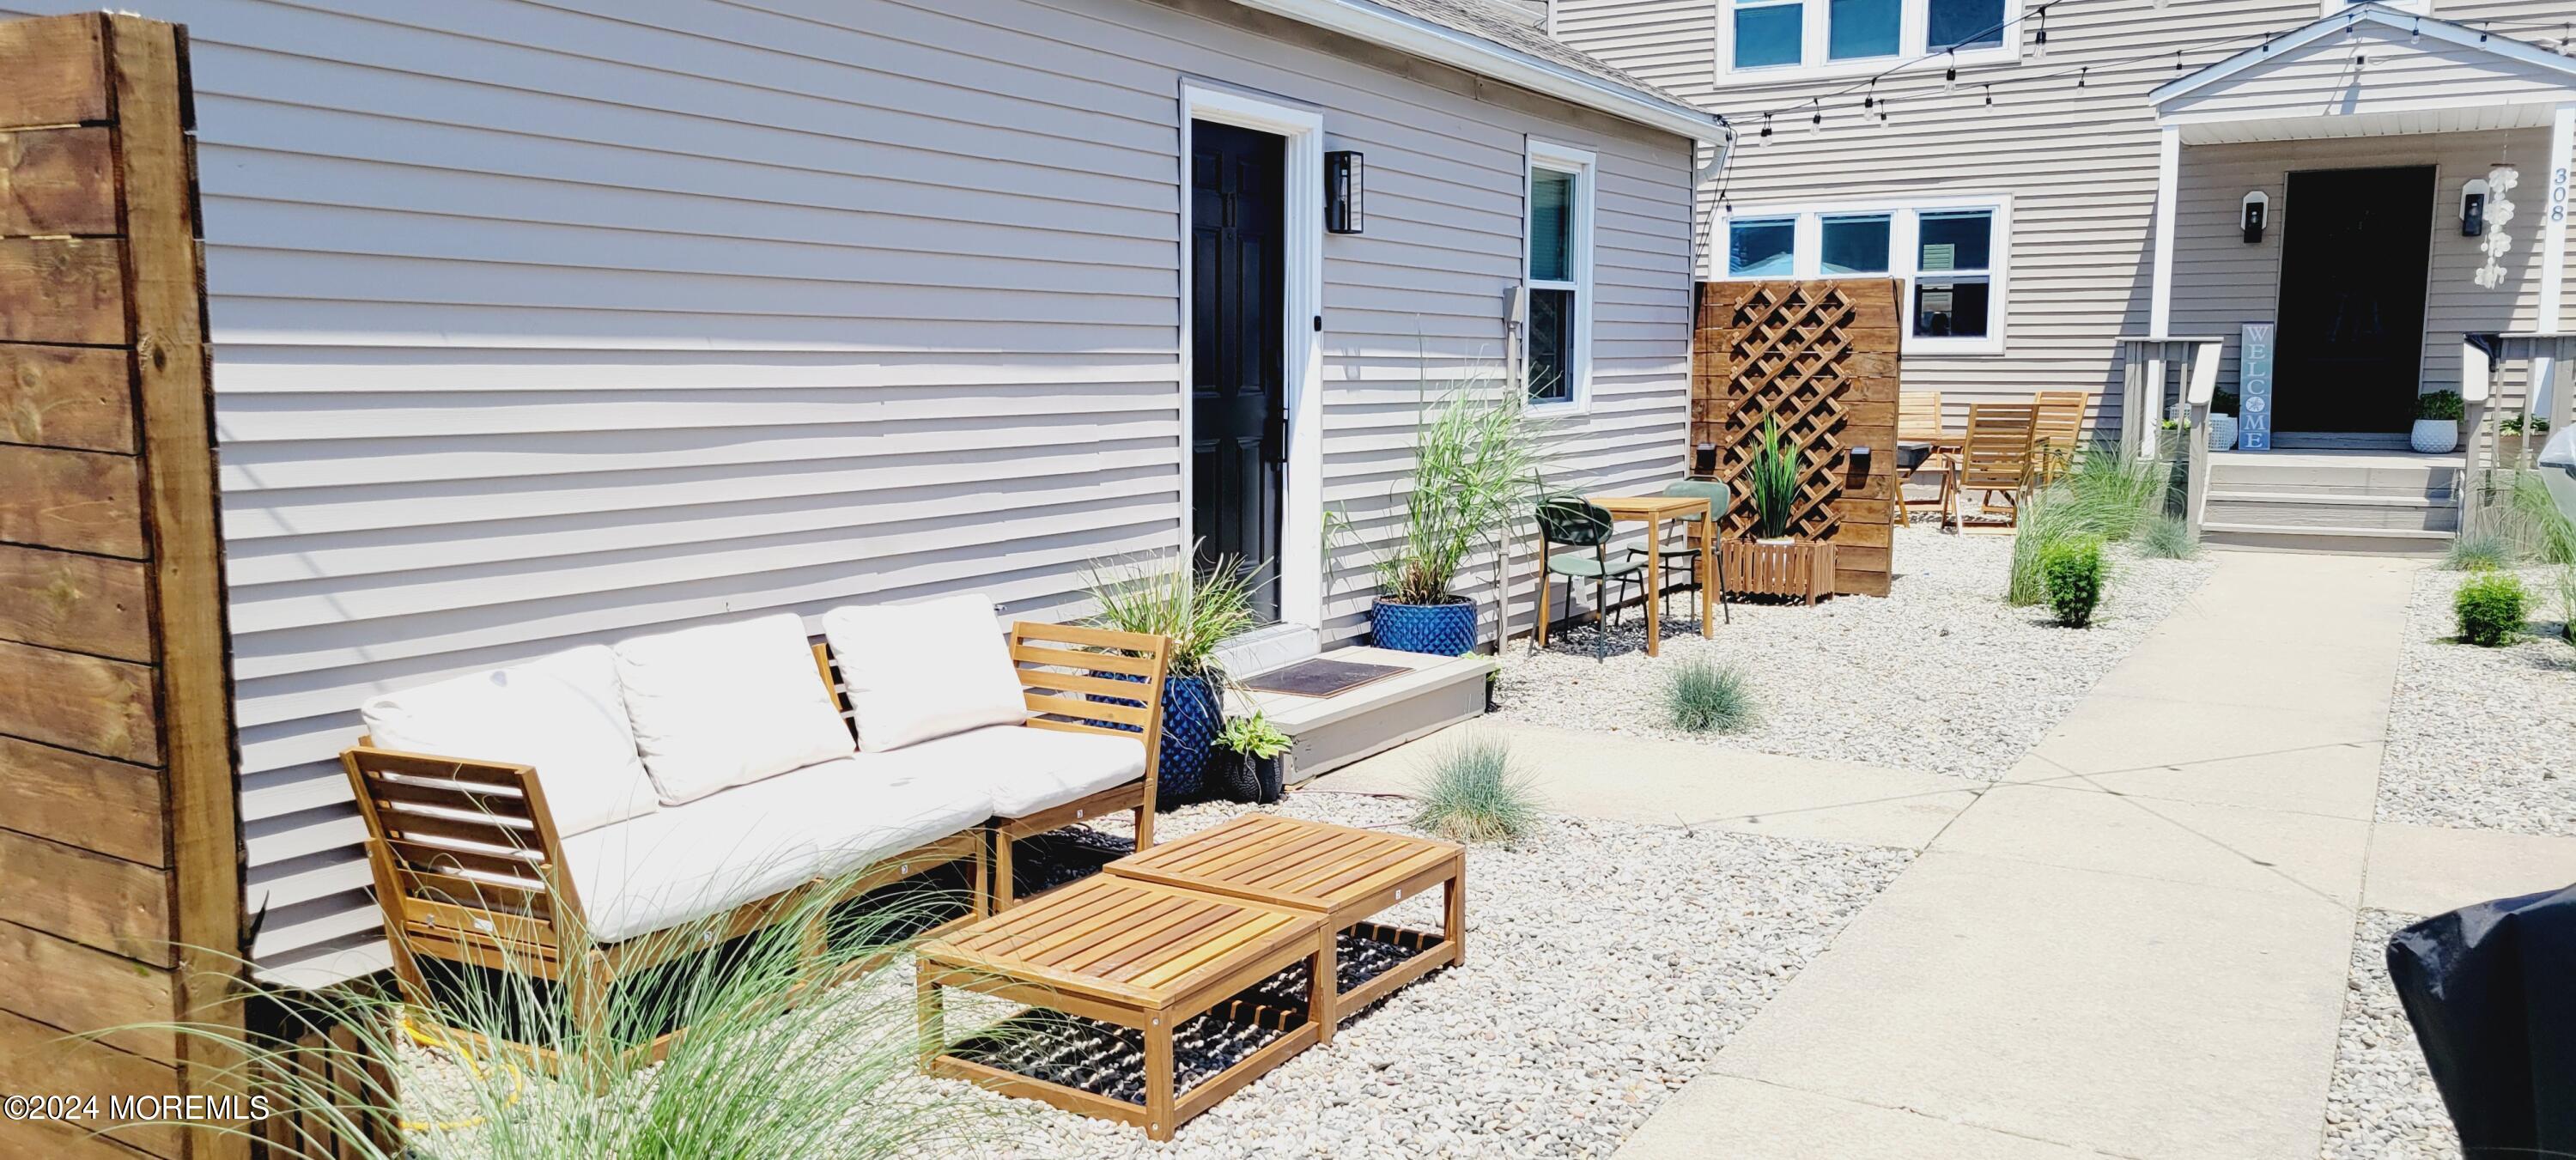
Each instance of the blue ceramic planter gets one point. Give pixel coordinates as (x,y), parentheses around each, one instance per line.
(1447,630)
(1191,721)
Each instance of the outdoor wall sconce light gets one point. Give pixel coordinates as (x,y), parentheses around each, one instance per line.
(1345,184)
(1859,462)
(2473,208)
(2258,207)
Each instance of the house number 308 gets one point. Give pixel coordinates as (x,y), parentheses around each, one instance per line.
(2558,194)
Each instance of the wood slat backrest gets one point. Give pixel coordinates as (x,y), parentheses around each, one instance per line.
(1996,453)
(456,834)
(2060,424)
(1918,417)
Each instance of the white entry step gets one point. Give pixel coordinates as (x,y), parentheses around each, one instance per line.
(2348,502)
(1330,732)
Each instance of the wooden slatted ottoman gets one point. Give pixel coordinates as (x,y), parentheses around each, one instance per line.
(1124,953)
(1342,874)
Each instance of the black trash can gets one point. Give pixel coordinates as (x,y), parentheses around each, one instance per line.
(2491,990)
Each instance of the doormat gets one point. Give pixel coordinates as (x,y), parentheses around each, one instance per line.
(1318,677)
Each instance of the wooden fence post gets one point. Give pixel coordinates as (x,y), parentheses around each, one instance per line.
(120,835)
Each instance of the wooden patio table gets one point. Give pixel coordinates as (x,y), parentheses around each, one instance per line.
(1137,954)
(1345,875)
(1654,510)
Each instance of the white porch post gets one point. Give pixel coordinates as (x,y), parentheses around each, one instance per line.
(2168,180)
(2545,387)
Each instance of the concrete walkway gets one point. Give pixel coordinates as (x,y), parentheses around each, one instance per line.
(2136,945)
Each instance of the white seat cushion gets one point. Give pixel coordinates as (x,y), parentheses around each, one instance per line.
(919,671)
(563,714)
(690,862)
(728,704)
(1024,768)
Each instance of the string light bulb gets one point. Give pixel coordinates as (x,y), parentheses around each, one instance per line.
(1816,123)
(2417,36)
(2082,75)
(1990,95)
(1950,75)
(1882,113)
(2039,40)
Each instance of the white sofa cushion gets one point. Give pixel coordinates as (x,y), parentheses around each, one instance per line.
(563,714)
(727,704)
(689,862)
(919,671)
(1024,768)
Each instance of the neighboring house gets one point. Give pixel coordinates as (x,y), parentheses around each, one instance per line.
(538,324)
(2017,187)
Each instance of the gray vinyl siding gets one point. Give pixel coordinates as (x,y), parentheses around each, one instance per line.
(537,325)
(2079,164)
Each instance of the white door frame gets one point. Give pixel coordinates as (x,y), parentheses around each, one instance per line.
(1301,515)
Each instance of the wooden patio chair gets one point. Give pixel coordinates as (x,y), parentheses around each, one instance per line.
(2059,433)
(1918,420)
(1994,459)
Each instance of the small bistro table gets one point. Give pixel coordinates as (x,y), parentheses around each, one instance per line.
(1654,510)
(1342,874)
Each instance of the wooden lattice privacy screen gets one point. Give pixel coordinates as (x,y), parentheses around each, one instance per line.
(1822,356)
(120,839)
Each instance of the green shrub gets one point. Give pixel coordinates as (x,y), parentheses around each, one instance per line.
(2479,551)
(1705,696)
(2074,571)
(1476,794)
(2048,519)
(2438,405)
(2490,608)
(2164,537)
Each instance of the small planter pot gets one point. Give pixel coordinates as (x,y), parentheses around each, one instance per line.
(2434,436)
(1447,630)
(1241,777)
(2222,432)
(1191,718)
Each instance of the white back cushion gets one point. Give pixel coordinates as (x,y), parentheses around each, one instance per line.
(562,714)
(919,671)
(727,704)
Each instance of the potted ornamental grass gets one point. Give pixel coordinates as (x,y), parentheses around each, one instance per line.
(1475,469)
(1198,610)
(1773,562)
(2437,423)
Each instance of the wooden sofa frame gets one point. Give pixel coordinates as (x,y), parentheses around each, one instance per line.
(469,867)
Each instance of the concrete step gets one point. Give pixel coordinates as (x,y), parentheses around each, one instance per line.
(2336,475)
(2325,541)
(1331,732)
(2332,512)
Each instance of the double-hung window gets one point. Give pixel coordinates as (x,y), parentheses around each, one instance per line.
(1858,37)
(1556,352)
(1949,254)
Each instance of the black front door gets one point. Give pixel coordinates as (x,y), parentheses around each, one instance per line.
(2354,247)
(1238,407)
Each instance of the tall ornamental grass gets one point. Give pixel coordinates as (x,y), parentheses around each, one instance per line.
(2101,495)
(770,1064)
(1476,461)
(1775,479)
(1165,596)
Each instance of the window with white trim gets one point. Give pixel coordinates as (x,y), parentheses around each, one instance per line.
(1556,333)
(1950,253)
(1856,37)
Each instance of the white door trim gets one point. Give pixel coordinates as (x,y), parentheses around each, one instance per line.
(1301,516)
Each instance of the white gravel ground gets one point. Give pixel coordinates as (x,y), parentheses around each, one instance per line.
(1606,964)
(2482,738)
(1939,675)
(2381,1103)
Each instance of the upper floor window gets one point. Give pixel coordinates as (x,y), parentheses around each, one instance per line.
(1854,37)
(1949,252)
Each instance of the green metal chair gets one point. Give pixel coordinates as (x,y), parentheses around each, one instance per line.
(1686,557)
(1577,524)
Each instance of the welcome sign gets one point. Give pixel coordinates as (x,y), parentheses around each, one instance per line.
(2254,388)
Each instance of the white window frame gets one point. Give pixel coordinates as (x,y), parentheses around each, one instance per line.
(1903,233)
(1585,169)
(1913,37)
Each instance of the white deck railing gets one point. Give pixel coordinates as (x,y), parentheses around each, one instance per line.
(2149,367)
(2489,397)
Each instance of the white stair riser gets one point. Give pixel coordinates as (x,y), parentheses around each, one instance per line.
(2280,512)
(2422,482)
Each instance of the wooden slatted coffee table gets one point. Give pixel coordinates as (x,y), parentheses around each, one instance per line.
(1342,874)
(1138,955)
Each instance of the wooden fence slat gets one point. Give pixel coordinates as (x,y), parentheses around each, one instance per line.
(91,704)
(68,600)
(56,71)
(62,290)
(79,397)
(57,981)
(84,501)
(104,902)
(112,807)
(57,181)
(36,1058)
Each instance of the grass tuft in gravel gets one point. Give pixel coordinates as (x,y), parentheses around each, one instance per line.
(1476,794)
(1708,696)
(2481,551)
(2164,537)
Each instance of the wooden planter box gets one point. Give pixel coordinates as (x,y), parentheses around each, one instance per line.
(1800,569)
